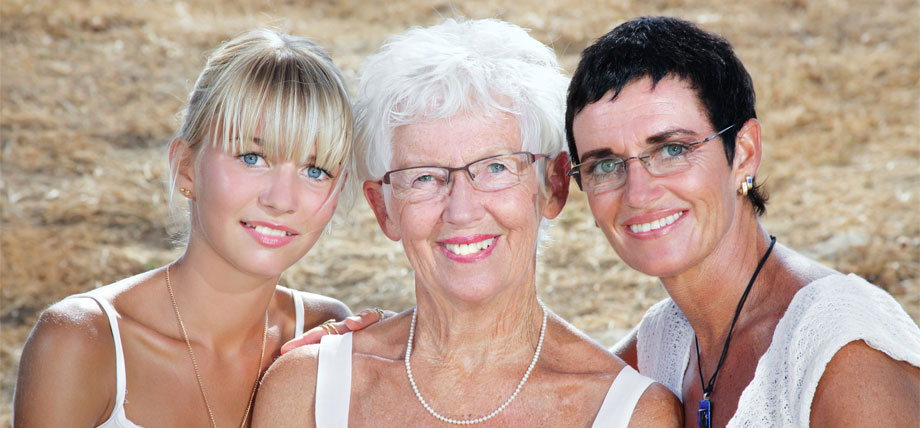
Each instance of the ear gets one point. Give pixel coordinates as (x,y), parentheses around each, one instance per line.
(557,184)
(747,150)
(373,192)
(182,158)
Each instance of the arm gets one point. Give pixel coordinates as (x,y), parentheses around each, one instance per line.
(286,395)
(658,407)
(862,386)
(626,348)
(67,370)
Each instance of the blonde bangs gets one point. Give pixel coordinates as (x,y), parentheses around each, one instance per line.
(292,103)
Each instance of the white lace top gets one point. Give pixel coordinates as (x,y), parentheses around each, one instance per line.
(822,317)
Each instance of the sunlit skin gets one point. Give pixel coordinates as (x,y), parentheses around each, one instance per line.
(705,258)
(224,283)
(700,193)
(465,214)
(478,314)
(235,191)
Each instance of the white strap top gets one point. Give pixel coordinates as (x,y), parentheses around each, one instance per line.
(333,388)
(621,399)
(118,418)
(822,317)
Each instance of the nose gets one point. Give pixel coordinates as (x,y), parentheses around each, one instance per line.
(463,205)
(640,188)
(279,195)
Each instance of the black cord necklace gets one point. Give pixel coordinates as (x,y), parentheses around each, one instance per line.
(703,418)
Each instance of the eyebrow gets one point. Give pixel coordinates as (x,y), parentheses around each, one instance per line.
(661,137)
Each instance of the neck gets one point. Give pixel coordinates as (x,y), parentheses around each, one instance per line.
(473,335)
(708,294)
(221,307)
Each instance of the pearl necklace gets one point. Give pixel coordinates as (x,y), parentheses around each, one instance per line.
(418,394)
(191,354)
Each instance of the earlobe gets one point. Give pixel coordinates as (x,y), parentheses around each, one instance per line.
(557,185)
(748,150)
(373,192)
(181,161)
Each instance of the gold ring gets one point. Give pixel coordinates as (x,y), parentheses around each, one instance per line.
(380,314)
(330,329)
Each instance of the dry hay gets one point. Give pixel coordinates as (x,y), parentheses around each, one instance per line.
(90,90)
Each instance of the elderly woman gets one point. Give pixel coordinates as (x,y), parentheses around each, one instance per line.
(462,160)
(754,334)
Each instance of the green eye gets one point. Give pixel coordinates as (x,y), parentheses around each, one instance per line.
(605,166)
(674,149)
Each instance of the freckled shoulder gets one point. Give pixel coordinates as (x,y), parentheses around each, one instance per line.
(287,391)
(658,407)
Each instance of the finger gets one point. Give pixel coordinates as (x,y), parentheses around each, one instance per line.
(362,320)
(312,336)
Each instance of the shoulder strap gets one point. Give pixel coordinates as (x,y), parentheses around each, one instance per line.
(298,311)
(333,381)
(621,399)
(120,382)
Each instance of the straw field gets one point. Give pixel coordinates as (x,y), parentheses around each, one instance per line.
(90,91)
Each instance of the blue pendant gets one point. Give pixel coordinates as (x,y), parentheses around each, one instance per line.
(703,417)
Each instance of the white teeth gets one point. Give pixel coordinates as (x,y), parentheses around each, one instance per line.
(467,249)
(656,224)
(264,230)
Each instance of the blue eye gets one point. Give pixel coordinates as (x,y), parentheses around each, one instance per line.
(495,168)
(315,172)
(250,159)
(425,178)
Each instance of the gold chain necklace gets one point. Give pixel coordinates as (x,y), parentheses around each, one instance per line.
(191,354)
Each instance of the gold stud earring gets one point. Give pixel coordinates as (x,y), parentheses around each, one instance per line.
(185,192)
(746,185)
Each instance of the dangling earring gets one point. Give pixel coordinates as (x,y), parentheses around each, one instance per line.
(746,185)
(185,192)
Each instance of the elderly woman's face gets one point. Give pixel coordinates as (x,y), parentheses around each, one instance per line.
(660,225)
(466,244)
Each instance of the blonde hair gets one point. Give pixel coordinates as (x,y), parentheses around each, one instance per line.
(282,85)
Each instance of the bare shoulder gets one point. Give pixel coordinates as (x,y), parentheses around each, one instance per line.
(286,392)
(70,353)
(861,374)
(319,308)
(657,407)
(574,352)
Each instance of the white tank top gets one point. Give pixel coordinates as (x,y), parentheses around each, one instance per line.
(823,317)
(118,419)
(333,388)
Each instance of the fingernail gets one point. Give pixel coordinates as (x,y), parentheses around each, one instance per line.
(354,318)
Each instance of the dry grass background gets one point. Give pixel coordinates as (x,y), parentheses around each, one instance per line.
(90,92)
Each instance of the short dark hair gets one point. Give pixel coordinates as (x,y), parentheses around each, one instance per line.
(659,47)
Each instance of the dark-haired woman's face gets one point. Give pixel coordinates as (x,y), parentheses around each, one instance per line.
(659,225)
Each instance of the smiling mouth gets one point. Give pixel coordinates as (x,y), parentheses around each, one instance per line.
(471,248)
(657,224)
(265,230)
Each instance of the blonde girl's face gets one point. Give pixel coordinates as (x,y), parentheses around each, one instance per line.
(259,215)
